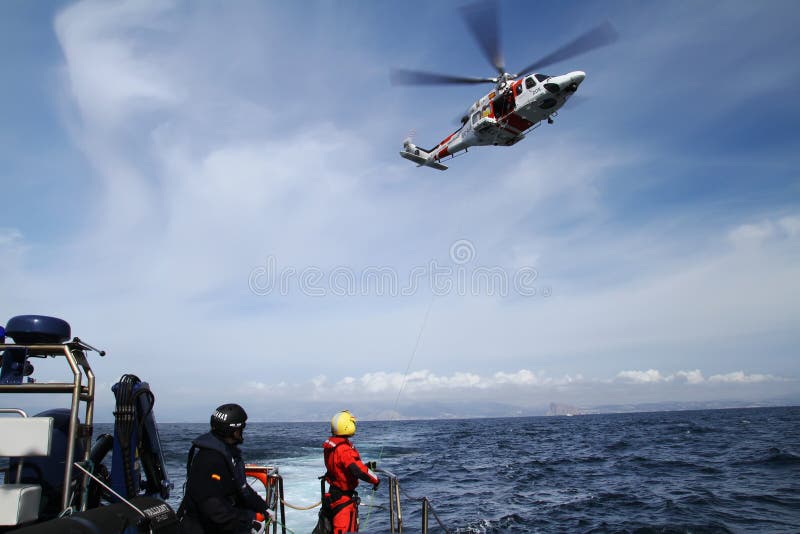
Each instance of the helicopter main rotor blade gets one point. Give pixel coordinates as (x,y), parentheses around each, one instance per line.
(601,35)
(418,77)
(481,18)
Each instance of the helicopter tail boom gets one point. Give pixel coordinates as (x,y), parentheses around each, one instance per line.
(420,156)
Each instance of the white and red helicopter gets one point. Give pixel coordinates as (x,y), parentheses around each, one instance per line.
(519,101)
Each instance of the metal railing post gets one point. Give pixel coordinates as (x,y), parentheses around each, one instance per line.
(391,505)
(283,510)
(73,427)
(397,505)
(424,515)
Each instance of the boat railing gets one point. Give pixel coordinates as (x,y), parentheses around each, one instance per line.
(395,509)
(269,476)
(74,353)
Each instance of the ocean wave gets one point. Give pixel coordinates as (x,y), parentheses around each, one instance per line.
(774,457)
(664,528)
(669,463)
(768,499)
(506,523)
(693,428)
(782,458)
(618,445)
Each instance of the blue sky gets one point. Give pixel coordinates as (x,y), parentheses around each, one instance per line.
(156,158)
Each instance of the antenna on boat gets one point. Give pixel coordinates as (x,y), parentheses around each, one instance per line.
(86,346)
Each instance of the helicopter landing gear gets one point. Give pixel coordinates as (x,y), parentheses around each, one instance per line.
(549,120)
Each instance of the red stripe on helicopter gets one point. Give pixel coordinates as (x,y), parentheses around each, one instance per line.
(518,122)
(442,153)
(446,139)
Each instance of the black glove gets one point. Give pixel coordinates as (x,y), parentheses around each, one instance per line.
(376,485)
(372,466)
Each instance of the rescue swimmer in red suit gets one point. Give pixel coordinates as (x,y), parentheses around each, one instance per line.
(344,470)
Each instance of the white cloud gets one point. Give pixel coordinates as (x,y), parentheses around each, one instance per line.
(752,233)
(319,381)
(523,376)
(390,384)
(10,237)
(790,225)
(691,377)
(740,377)
(641,377)
(111,77)
(772,231)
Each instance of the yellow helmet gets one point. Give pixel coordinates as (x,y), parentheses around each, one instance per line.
(343,424)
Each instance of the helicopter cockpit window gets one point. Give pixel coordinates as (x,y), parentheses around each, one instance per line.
(519,89)
(530,82)
(541,77)
(475,117)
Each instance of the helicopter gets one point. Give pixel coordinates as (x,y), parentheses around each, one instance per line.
(519,102)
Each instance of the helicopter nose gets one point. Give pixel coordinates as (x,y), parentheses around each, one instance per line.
(574,79)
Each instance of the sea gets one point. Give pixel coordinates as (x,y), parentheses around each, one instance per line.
(734,470)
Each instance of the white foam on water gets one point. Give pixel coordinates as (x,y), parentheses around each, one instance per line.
(301,488)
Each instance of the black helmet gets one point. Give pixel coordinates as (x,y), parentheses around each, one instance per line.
(227,419)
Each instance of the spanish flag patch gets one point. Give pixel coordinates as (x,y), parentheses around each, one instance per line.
(215,476)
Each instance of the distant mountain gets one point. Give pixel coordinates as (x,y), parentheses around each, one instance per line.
(689,405)
(563,409)
(378,411)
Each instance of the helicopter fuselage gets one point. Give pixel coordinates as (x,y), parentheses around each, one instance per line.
(502,116)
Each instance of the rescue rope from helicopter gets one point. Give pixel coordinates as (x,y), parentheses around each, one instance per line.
(425,500)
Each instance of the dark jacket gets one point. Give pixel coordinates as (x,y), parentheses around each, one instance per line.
(217,499)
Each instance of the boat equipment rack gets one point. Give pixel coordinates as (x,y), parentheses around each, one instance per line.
(81,390)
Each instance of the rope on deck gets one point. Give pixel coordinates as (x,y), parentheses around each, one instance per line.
(293,507)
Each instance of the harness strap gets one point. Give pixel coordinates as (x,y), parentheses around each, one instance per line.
(339,507)
(335,494)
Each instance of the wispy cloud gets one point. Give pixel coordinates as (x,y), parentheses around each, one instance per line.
(758,233)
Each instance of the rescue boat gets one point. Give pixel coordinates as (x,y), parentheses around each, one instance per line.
(55,477)
(55,473)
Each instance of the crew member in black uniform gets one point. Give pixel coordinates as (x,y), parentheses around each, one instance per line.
(218,498)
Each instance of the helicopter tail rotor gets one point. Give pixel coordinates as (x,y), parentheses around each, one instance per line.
(409,140)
